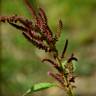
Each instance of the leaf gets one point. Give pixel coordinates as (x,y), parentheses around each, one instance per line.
(39,87)
(74,65)
(64,63)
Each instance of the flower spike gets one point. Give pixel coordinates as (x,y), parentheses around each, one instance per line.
(18,26)
(72,58)
(33,13)
(64,50)
(57,77)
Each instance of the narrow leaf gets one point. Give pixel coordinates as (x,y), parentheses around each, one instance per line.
(39,87)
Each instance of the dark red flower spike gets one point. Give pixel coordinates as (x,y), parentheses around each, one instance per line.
(65,48)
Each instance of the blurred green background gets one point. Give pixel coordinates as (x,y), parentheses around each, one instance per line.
(20,61)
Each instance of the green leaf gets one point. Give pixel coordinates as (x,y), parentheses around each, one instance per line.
(64,63)
(39,87)
(74,65)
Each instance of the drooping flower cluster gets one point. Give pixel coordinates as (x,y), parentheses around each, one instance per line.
(39,33)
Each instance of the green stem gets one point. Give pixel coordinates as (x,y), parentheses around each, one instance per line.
(69,90)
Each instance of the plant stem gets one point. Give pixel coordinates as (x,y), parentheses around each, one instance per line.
(70,92)
(68,89)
